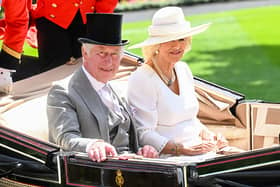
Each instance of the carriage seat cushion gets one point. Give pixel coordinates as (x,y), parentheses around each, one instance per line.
(29,118)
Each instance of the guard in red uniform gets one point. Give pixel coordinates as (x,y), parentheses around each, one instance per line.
(60,23)
(16,13)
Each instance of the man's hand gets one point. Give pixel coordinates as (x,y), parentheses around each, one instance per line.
(148,152)
(99,151)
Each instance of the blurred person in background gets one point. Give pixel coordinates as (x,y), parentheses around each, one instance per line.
(60,23)
(14,29)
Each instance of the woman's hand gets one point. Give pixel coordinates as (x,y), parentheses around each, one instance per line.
(207,135)
(202,148)
(220,141)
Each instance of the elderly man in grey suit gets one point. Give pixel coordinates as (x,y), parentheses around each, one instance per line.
(84,112)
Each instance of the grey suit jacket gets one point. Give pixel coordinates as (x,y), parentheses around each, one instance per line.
(76,115)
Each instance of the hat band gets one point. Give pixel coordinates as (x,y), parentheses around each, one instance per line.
(173,29)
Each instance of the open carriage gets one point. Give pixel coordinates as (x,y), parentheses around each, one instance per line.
(28,159)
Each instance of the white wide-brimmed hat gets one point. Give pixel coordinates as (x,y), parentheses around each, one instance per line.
(169,24)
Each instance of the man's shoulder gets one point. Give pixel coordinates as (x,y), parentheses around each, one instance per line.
(69,80)
(63,83)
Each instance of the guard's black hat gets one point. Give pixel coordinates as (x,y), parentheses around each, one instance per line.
(104,29)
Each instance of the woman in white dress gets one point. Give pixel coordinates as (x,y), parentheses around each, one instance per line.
(162,90)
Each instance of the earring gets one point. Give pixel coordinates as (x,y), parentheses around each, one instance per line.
(156,52)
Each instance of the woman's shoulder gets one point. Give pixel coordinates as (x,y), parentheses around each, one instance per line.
(142,73)
(141,81)
(183,66)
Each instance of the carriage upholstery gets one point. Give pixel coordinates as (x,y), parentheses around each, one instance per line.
(265,124)
(25,109)
(217,105)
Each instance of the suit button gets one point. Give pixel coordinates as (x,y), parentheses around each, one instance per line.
(52,16)
(92,8)
(76,4)
(54,5)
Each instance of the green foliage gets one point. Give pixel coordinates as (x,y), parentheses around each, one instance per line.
(239,51)
(140,5)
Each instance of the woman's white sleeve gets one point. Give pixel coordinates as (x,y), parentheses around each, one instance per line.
(142,96)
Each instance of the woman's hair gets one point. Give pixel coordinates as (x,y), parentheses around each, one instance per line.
(150,51)
(189,44)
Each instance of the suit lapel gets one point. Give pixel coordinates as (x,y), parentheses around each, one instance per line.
(93,101)
(133,133)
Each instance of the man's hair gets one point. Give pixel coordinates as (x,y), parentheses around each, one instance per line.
(88,47)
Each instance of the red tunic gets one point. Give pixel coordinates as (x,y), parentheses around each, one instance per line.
(16,25)
(62,12)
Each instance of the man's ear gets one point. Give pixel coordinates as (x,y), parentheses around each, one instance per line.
(84,51)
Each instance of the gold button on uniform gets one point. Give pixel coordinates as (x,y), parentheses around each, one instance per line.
(52,16)
(54,5)
(92,8)
(76,4)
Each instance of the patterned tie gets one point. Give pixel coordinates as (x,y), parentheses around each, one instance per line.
(111,101)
